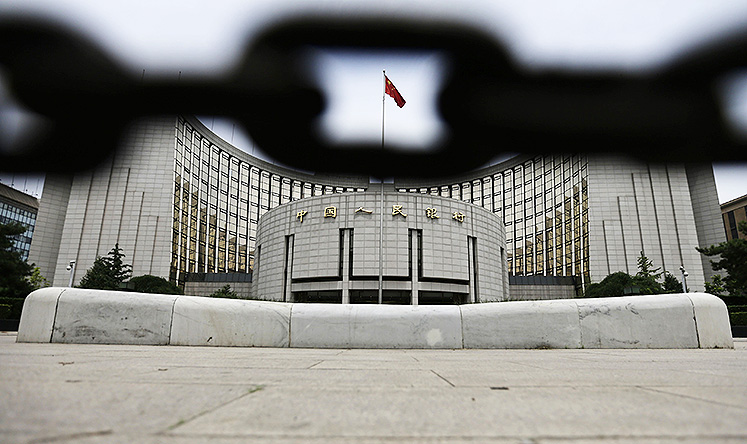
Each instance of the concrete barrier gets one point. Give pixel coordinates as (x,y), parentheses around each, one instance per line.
(113,317)
(712,321)
(107,317)
(661,321)
(230,322)
(522,324)
(37,316)
(375,326)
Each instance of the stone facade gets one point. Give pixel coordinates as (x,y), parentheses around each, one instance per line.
(660,210)
(243,289)
(537,288)
(435,250)
(588,217)
(126,200)
(45,245)
(177,199)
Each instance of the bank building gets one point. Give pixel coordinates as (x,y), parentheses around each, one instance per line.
(186,205)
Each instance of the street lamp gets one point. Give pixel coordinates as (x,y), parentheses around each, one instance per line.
(684,278)
(71,268)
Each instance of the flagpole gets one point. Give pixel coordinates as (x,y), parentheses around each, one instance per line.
(381,210)
(383,106)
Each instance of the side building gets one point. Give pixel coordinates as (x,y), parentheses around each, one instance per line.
(177,199)
(184,204)
(734,212)
(585,217)
(19,207)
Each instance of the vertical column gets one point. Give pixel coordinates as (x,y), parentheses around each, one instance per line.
(381,244)
(471,253)
(414,265)
(287,268)
(504,277)
(345,254)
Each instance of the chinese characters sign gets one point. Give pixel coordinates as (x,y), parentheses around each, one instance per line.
(397,210)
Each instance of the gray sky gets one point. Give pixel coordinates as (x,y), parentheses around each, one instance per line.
(198,37)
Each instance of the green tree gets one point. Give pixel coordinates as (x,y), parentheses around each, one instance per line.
(647,278)
(671,283)
(646,281)
(716,286)
(36,279)
(152,284)
(14,271)
(732,258)
(107,272)
(225,292)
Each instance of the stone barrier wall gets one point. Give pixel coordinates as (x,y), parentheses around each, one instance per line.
(71,315)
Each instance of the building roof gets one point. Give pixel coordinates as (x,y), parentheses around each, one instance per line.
(18,197)
(734,203)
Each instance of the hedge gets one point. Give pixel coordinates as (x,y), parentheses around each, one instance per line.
(15,304)
(731,301)
(739,318)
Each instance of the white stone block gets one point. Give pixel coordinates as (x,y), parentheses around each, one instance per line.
(522,324)
(113,317)
(375,326)
(230,322)
(657,321)
(37,317)
(712,321)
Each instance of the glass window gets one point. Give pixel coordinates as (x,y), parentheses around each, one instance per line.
(466,192)
(477,192)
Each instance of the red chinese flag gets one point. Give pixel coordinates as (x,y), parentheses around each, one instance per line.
(392,91)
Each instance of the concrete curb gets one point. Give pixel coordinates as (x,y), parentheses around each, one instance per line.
(112,317)
(37,316)
(522,324)
(230,322)
(693,320)
(375,326)
(661,321)
(712,321)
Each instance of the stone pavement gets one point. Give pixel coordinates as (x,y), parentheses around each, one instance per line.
(66,393)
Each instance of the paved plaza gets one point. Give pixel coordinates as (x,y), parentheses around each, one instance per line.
(65,393)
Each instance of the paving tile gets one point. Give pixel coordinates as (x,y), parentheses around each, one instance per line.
(75,393)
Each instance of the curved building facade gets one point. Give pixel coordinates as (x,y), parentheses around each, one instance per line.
(415,248)
(544,204)
(220,192)
(590,216)
(182,202)
(177,198)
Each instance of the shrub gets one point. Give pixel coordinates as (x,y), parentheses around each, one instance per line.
(225,292)
(16,306)
(148,283)
(738,318)
(613,285)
